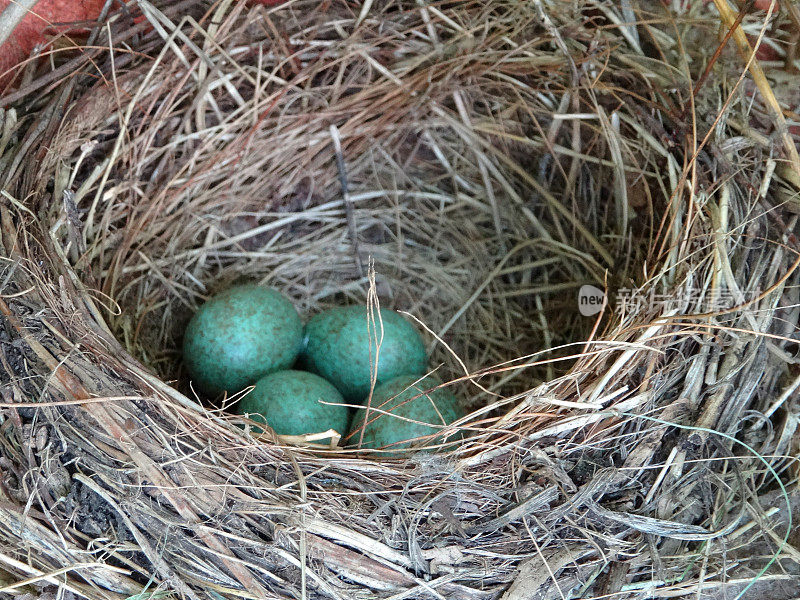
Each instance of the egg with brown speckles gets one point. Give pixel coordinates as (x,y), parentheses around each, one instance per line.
(342,347)
(239,336)
(403,411)
(296,403)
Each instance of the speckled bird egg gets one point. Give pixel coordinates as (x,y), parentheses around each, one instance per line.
(296,403)
(338,347)
(239,336)
(415,409)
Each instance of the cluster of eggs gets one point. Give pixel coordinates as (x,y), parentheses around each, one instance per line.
(250,335)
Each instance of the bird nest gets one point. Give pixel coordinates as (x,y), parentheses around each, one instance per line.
(476,165)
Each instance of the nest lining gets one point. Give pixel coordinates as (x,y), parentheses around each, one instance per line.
(472,251)
(211,162)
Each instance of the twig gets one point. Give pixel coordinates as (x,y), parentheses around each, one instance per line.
(12,16)
(349,208)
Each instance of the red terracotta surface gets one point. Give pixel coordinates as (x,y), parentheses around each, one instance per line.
(49,17)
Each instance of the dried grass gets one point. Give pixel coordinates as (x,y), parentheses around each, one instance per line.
(498,155)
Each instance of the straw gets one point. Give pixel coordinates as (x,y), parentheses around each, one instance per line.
(487,160)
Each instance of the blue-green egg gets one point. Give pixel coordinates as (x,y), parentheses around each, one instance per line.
(416,408)
(240,335)
(338,347)
(296,403)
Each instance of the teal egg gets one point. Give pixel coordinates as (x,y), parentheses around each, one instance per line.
(239,336)
(337,347)
(291,402)
(415,402)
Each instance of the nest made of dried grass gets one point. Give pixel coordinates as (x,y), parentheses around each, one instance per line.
(498,156)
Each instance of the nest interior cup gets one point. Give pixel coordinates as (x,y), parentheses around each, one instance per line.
(475,164)
(446,202)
